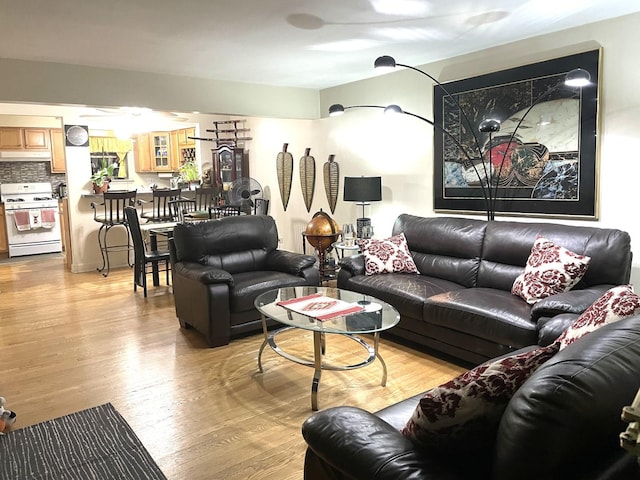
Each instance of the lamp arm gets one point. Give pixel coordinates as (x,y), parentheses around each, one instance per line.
(442,87)
(485,193)
(544,94)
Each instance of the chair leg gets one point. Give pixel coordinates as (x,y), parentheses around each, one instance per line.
(101,244)
(129,246)
(144,281)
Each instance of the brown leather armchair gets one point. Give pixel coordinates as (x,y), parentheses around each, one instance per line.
(221,266)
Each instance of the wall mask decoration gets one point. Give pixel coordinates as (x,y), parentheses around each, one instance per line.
(331,173)
(284,167)
(307,177)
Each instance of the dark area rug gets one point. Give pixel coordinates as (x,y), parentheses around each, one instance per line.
(96,443)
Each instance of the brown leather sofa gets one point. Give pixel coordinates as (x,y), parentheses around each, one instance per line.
(220,267)
(461,302)
(562,424)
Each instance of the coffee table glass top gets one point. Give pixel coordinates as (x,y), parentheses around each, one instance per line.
(376,316)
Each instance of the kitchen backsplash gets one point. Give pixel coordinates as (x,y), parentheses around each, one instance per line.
(30,172)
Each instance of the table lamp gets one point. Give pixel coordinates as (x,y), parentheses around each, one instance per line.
(362,190)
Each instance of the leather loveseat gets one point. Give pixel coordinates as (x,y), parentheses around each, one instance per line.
(461,303)
(563,423)
(219,267)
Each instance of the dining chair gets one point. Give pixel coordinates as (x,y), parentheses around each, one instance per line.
(142,257)
(160,210)
(181,208)
(205,198)
(260,206)
(110,213)
(228,210)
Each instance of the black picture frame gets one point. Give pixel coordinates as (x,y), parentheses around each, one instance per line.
(76,135)
(551,164)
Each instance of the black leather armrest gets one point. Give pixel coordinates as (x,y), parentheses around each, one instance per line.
(289,262)
(202,273)
(573,301)
(363,446)
(353,264)
(549,329)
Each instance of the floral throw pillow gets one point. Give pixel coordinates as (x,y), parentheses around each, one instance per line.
(465,412)
(387,256)
(550,269)
(615,304)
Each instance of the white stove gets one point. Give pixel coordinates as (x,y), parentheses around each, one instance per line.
(32,218)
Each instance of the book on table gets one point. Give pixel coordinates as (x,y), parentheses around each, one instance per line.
(320,306)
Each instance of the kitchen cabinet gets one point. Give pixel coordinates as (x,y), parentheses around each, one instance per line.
(4,243)
(183,137)
(17,138)
(36,138)
(183,148)
(142,152)
(160,151)
(58,160)
(11,139)
(65,230)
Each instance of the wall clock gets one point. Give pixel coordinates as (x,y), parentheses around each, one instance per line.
(76,135)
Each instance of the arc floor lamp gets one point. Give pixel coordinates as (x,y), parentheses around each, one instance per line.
(486,172)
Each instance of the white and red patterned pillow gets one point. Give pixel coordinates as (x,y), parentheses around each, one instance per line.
(615,304)
(550,269)
(464,413)
(387,256)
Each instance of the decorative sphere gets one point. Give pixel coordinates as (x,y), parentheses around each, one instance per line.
(322,231)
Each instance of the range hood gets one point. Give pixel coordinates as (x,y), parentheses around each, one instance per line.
(24,156)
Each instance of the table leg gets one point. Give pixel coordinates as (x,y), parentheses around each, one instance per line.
(264,343)
(153,244)
(317,354)
(376,342)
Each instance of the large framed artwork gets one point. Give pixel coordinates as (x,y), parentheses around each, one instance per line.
(548,167)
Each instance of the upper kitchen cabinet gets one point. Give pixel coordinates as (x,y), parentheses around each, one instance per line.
(183,147)
(142,152)
(160,143)
(11,138)
(58,160)
(16,138)
(36,138)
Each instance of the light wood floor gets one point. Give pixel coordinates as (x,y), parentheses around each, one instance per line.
(73,341)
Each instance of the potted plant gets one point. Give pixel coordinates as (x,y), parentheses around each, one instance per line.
(189,173)
(102,177)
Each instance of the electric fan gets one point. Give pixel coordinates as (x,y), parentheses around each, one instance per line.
(243,191)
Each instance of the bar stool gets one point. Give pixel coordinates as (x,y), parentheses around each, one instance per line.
(160,209)
(111,215)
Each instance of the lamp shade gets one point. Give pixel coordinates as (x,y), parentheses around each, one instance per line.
(362,189)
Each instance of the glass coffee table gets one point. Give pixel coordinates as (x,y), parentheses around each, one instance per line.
(343,313)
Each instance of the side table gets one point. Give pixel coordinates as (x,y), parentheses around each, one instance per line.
(342,248)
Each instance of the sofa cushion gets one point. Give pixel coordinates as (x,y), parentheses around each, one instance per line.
(550,269)
(390,255)
(464,413)
(405,291)
(617,303)
(486,313)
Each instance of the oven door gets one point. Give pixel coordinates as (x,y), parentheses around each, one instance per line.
(28,240)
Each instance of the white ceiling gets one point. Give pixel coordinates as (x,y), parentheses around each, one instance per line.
(301,43)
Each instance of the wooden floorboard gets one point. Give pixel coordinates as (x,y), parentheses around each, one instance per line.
(74,341)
